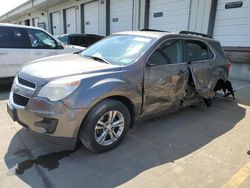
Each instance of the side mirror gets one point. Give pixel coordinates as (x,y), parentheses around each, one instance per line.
(149,63)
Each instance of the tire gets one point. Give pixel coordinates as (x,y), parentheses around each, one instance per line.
(102,122)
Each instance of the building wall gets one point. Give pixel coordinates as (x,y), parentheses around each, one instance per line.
(41,15)
(140,14)
(232,25)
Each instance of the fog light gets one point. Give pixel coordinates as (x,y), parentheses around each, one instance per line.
(48,124)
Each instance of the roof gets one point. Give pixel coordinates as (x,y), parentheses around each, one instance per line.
(159,34)
(79,34)
(152,34)
(18,26)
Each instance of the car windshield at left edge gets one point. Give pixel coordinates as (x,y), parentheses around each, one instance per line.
(119,49)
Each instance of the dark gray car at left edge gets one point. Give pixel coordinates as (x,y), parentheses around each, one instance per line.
(95,96)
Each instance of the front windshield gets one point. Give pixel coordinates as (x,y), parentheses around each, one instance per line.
(119,49)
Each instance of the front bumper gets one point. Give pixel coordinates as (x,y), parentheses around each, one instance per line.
(53,121)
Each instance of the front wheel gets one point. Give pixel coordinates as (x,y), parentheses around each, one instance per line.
(105,126)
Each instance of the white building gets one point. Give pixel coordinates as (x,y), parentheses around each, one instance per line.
(227,20)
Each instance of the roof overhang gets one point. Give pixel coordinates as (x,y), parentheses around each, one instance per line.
(29,7)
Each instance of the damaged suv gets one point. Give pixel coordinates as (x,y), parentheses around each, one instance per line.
(96,95)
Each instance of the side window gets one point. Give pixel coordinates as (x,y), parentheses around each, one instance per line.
(11,38)
(197,51)
(169,52)
(217,47)
(41,40)
(76,40)
(64,39)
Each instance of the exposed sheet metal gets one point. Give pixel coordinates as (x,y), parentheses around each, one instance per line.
(164,86)
(204,75)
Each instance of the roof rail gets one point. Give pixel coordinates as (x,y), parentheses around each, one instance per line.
(195,33)
(153,30)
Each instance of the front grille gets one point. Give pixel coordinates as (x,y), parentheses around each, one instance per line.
(26,83)
(20,100)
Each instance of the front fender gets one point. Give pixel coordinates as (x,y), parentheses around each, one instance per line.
(93,91)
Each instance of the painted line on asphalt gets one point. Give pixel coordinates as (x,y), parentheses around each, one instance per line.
(237,179)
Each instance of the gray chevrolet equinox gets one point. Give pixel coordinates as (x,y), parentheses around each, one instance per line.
(96,95)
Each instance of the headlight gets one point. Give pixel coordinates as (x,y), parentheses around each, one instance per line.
(14,82)
(59,89)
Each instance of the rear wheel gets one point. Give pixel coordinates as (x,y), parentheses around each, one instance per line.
(105,126)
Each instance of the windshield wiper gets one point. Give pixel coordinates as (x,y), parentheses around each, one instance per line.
(97,59)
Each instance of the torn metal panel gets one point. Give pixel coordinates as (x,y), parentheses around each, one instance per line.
(164,86)
(204,75)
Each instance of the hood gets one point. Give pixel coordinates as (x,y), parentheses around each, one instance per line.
(72,49)
(75,47)
(65,65)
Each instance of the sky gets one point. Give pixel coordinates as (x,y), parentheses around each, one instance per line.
(7,5)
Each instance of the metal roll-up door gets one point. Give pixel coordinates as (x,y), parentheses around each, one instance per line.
(232,23)
(121,15)
(56,24)
(91,18)
(70,20)
(170,15)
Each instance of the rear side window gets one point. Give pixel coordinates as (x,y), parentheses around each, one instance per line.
(84,41)
(76,40)
(12,37)
(170,52)
(217,47)
(198,51)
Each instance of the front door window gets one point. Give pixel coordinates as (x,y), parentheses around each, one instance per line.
(41,40)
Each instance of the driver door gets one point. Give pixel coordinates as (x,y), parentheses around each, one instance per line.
(165,77)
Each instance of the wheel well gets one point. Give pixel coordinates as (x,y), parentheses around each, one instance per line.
(122,99)
(128,104)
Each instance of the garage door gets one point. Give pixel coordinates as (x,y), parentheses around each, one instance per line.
(70,20)
(232,25)
(91,18)
(169,15)
(121,18)
(56,26)
(35,22)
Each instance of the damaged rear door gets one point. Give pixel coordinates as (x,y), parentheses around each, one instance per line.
(202,66)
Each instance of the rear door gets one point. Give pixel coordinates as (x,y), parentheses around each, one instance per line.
(202,66)
(13,50)
(166,77)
